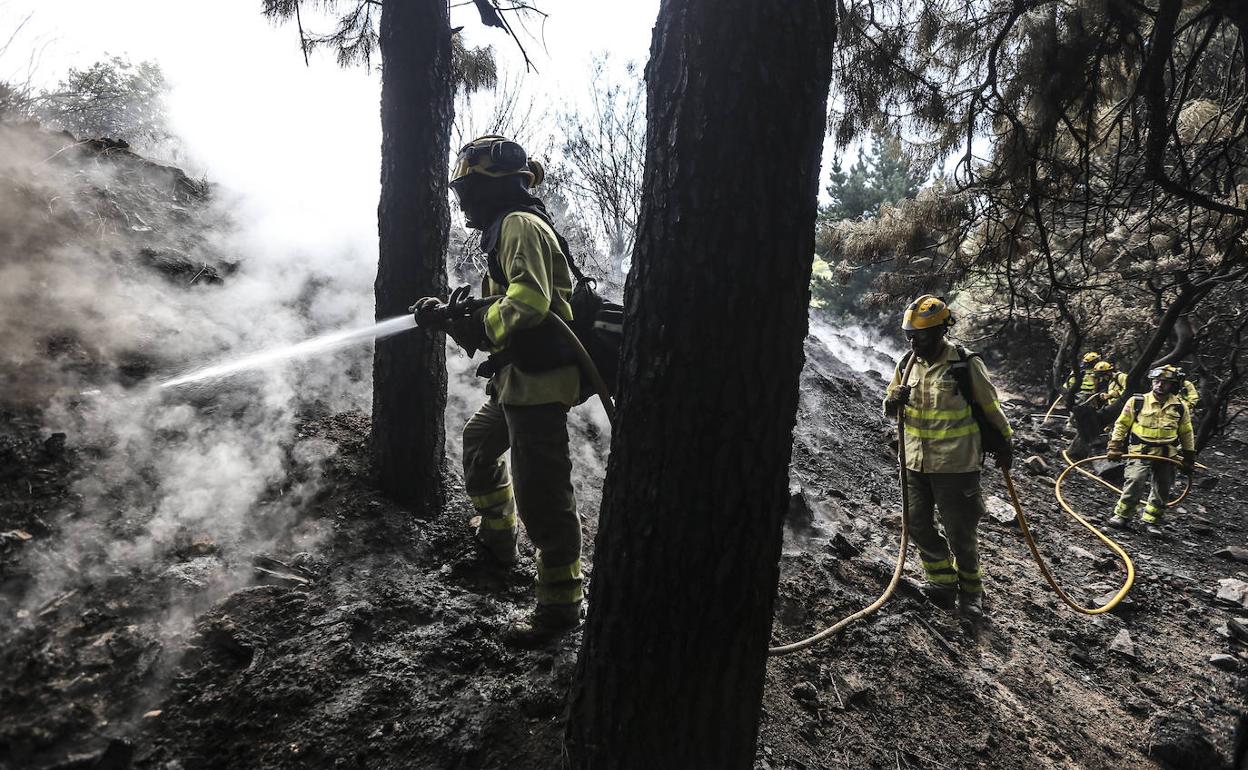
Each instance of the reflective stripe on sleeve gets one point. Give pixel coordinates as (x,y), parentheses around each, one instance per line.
(494,327)
(527,295)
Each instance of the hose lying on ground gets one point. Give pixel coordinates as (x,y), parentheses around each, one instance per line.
(898,568)
(1049,413)
(1044,568)
(1118,490)
(1027,536)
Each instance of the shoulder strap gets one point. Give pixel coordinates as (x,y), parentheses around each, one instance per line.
(961,372)
(489,243)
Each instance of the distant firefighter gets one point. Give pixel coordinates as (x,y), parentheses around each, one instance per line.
(1158,423)
(951,417)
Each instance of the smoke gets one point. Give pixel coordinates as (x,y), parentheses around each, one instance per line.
(858,346)
(116,272)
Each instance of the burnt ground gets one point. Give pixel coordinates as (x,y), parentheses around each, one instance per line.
(378,647)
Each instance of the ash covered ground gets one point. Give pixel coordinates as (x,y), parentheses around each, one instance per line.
(157,616)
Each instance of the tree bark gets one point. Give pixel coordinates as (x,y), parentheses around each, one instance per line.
(686,562)
(409,370)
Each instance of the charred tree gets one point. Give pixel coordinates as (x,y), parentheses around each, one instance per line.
(686,561)
(409,370)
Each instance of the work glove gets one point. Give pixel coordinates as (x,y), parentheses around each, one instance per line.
(1189,461)
(898,397)
(469,332)
(1004,458)
(431,313)
(1113,452)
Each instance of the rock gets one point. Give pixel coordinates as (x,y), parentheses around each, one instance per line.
(1001,511)
(1081,553)
(15,536)
(195,574)
(1178,742)
(1233,552)
(1232,591)
(1122,644)
(1200,525)
(1207,482)
(1036,465)
(1126,604)
(806,694)
(54,446)
(800,516)
(1223,661)
(1238,629)
(843,547)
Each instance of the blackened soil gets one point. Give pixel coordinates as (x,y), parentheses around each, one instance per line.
(380,648)
(1036,685)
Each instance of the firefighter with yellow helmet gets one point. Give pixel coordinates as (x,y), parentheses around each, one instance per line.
(951,417)
(1082,382)
(1157,423)
(533,380)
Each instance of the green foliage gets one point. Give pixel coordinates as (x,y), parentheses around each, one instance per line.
(113,98)
(883,174)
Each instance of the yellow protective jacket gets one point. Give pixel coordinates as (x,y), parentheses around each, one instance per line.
(1117,386)
(1190,395)
(538,282)
(940,430)
(1156,427)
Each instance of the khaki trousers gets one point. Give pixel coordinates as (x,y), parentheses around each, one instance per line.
(951,558)
(538,489)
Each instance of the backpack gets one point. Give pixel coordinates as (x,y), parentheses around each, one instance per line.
(991,439)
(597,323)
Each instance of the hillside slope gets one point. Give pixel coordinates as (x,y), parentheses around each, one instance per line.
(153,619)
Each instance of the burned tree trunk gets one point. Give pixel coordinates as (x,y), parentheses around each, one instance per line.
(409,370)
(686,562)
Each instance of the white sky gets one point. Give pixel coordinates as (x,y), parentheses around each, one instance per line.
(301,143)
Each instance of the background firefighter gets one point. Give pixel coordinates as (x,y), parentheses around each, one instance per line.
(1159,423)
(533,380)
(945,449)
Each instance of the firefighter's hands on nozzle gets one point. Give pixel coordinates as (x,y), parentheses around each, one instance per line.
(1004,458)
(899,397)
(431,313)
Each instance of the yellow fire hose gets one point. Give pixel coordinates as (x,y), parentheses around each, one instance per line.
(1023,526)
(1118,490)
(810,641)
(1049,413)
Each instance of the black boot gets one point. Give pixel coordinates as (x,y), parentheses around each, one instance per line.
(547,623)
(943,596)
(971,605)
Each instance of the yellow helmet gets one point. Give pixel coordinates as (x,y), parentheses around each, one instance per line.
(1091,357)
(1167,372)
(926,312)
(496,156)
(1103,366)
